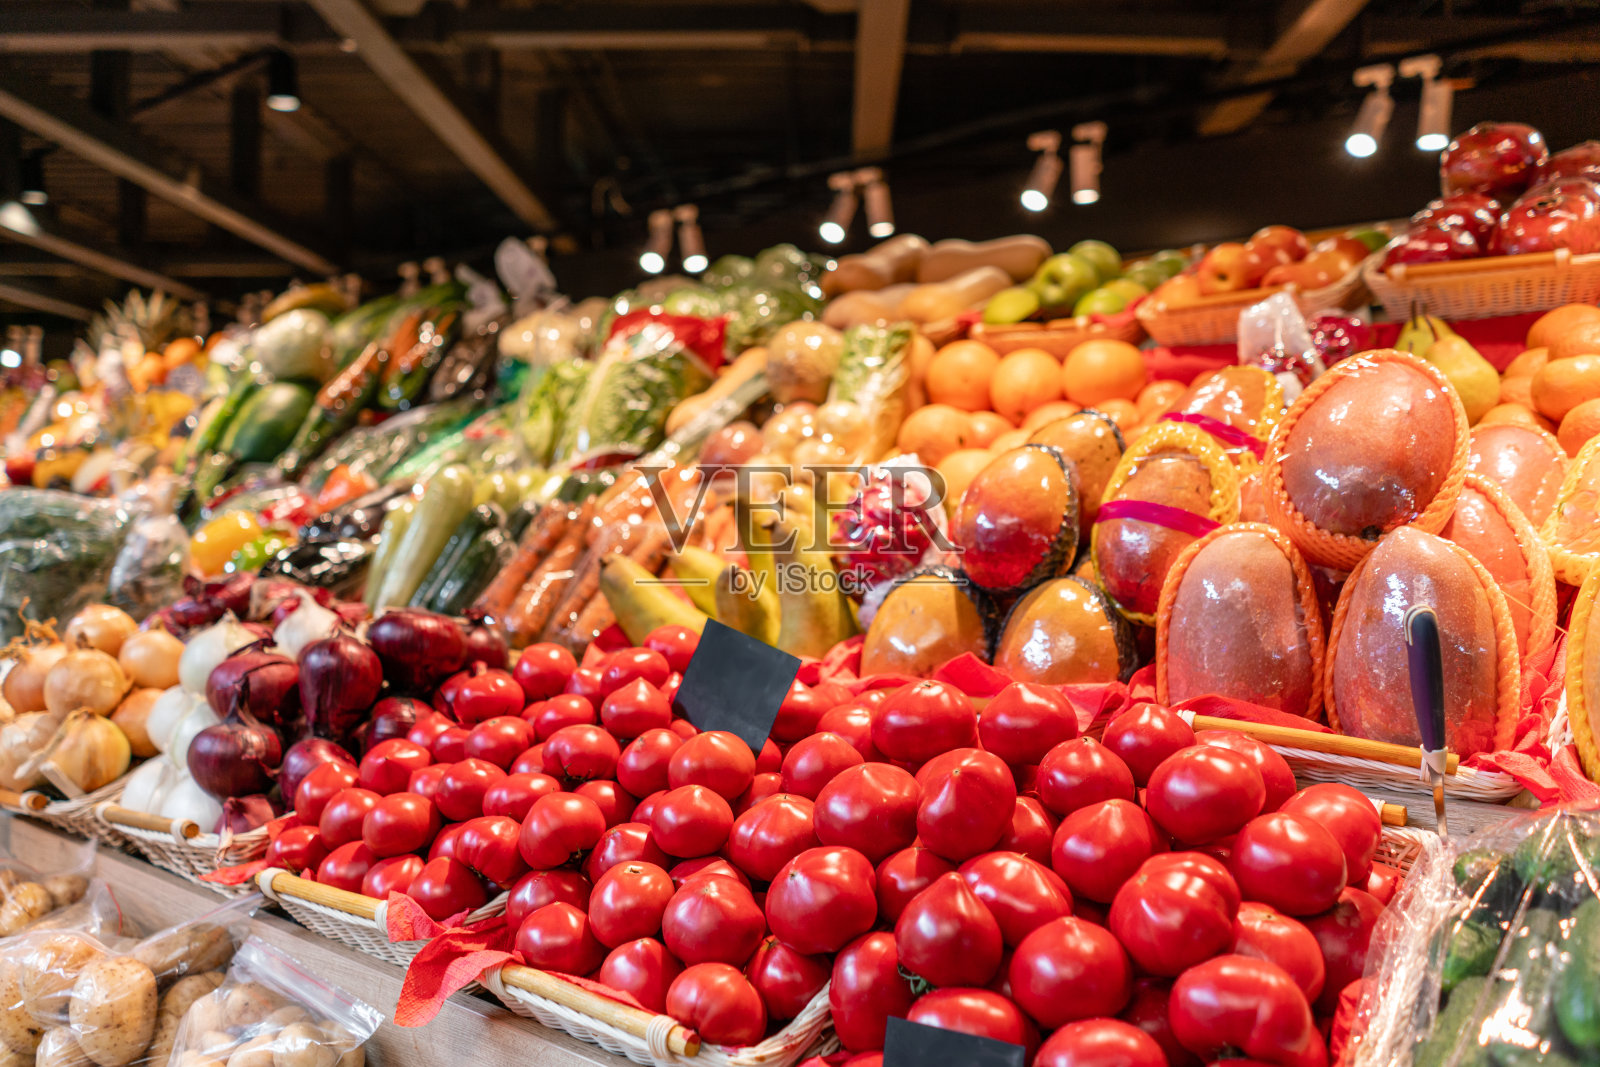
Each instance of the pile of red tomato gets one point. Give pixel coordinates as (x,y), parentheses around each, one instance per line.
(1157,897)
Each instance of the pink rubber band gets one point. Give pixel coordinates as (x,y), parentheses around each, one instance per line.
(1159,514)
(1231,436)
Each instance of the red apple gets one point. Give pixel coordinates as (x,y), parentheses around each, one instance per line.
(1583,188)
(1560,216)
(19,468)
(1351,249)
(1303,275)
(1228,268)
(1431,244)
(1179,291)
(1474,212)
(1499,159)
(1290,244)
(1582,160)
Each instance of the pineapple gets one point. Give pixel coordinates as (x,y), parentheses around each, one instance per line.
(153,321)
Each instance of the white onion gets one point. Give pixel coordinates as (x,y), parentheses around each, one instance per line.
(208,648)
(198,718)
(165,714)
(148,786)
(185,800)
(304,625)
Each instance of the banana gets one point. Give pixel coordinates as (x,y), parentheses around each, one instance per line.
(744,609)
(697,569)
(813,613)
(640,603)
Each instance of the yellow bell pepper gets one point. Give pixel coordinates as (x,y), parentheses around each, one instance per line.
(215,543)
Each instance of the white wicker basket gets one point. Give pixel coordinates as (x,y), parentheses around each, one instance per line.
(177,845)
(1483,288)
(76,816)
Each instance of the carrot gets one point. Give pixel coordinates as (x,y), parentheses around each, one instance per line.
(533,603)
(539,538)
(595,617)
(611,541)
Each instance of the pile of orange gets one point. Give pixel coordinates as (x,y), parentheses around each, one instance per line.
(1555,383)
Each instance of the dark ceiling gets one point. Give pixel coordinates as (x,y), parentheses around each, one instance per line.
(433,128)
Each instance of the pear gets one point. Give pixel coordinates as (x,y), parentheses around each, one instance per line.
(1474,378)
(641,603)
(1421,332)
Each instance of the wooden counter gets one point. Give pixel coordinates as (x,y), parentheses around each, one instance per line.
(467,1029)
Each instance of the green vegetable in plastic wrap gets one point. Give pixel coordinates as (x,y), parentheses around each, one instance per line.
(56,551)
(726,272)
(1450,1026)
(692,300)
(549,395)
(1578,992)
(873,373)
(1472,951)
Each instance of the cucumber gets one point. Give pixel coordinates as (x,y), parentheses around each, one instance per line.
(1578,991)
(473,572)
(445,501)
(1472,950)
(1489,878)
(479,521)
(267,422)
(393,531)
(1516,1056)
(1452,1026)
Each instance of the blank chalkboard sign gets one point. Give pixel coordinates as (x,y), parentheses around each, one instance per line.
(909,1044)
(735,683)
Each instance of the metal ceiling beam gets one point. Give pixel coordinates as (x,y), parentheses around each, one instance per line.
(880,53)
(69,122)
(34,300)
(117,266)
(35,26)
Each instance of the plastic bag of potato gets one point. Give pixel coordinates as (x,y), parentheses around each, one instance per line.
(271,1013)
(33,899)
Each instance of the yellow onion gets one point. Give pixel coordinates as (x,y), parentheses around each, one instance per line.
(131,716)
(24,684)
(89,752)
(150,658)
(20,742)
(100,626)
(85,678)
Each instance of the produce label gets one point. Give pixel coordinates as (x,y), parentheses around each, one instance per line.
(735,683)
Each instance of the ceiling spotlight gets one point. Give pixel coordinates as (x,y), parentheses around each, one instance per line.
(653,260)
(33,191)
(1373,118)
(836,223)
(875,192)
(1046,170)
(283,83)
(1433,117)
(691,242)
(1085,161)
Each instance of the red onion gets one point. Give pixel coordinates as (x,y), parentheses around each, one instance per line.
(417,647)
(272,679)
(486,641)
(392,717)
(235,758)
(233,593)
(304,757)
(262,630)
(189,614)
(350,612)
(340,677)
(243,814)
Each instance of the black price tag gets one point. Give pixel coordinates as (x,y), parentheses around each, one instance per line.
(735,683)
(909,1044)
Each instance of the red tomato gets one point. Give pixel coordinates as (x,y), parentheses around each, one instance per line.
(488,845)
(615,802)
(1021,894)
(1024,721)
(1289,862)
(346,867)
(392,875)
(587,683)
(770,759)
(770,834)
(624,843)
(669,689)
(1030,832)
(706,867)
(558,938)
(691,821)
(798,715)
(675,643)
(919,721)
(719,1002)
(1248,1005)
(581,753)
(450,746)
(537,888)
(1350,817)
(762,786)
(387,766)
(426,730)
(463,786)
(968,797)
(628,901)
(644,811)
(643,968)
(684,728)
(867,989)
(487,693)
(871,808)
(1383,883)
(634,708)
(977,1012)
(1344,931)
(319,786)
(343,815)
(514,794)
(1100,1043)
(1275,773)
(1146,734)
(499,740)
(1170,917)
(1097,848)
(642,767)
(785,979)
(563,709)
(559,829)
(712,920)
(542,670)
(1147,1009)
(425,781)
(1068,969)
(1267,934)
(815,761)
(530,762)
(904,875)
(1206,867)
(1203,793)
(822,899)
(718,760)
(445,844)
(628,665)
(1080,772)
(853,722)
(299,848)
(399,823)
(947,936)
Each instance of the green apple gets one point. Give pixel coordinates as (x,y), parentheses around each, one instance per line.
(1062,279)
(1010,305)
(1130,288)
(1146,273)
(1373,239)
(1106,261)
(1170,261)
(1102,301)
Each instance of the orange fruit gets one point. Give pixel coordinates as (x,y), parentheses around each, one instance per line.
(1580,340)
(1518,390)
(959,375)
(1527,364)
(1103,369)
(1122,412)
(958,469)
(1009,440)
(934,431)
(1056,409)
(1558,321)
(1026,379)
(1563,384)
(1580,424)
(1516,415)
(1157,398)
(984,426)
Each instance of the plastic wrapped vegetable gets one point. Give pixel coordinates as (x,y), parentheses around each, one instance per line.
(868,397)
(56,550)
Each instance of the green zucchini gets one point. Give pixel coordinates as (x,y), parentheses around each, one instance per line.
(471,575)
(267,422)
(338,405)
(479,521)
(445,501)
(207,434)
(393,531)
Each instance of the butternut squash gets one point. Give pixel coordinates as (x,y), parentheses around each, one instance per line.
(1018,256)
(866,307)
(893,261)
(947,299)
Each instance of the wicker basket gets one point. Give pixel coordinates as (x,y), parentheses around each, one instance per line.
(1483,288)
(77,816)
(1401,846)
(349,918)
(1214,320)
(177,845)
(1058,337)
(650,1039)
